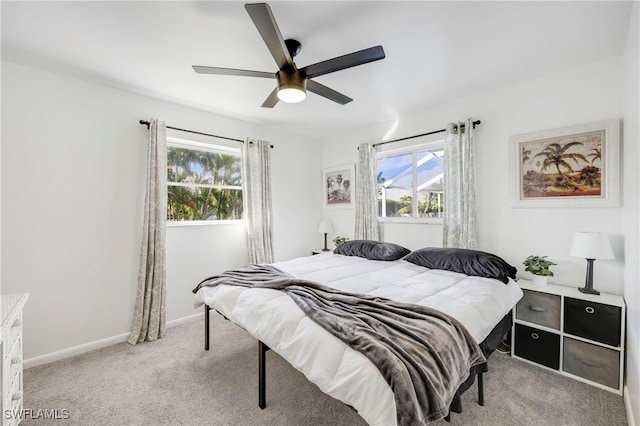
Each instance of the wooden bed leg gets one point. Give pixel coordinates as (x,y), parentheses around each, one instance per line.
(262,374)
(480,390)
(207,314)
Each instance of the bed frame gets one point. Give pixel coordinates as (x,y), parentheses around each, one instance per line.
(487,346)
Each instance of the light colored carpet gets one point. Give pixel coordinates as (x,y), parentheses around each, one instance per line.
(174,381)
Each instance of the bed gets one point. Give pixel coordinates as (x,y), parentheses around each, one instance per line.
(476,289)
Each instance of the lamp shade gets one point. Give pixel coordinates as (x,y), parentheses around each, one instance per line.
(325,227)
(591,245)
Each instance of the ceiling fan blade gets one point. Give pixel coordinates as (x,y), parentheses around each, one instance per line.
(324,91)
(271,100)
(231,71)
(346,61)
(264,21)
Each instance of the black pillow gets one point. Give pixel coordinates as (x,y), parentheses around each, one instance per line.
(372,250)
(465,261)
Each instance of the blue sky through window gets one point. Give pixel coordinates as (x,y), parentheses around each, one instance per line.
(398,169)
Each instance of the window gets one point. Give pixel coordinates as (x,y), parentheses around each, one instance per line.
(204,181)
(410,182)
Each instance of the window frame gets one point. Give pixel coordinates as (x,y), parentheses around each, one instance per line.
(173,142)
(413,149)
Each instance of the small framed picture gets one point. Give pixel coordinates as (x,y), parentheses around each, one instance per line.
(576,166)
(339,183)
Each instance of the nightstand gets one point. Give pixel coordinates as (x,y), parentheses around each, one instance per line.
(575,334)
(320,251)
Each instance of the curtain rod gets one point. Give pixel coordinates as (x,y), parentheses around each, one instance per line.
(475,123)
(146,123)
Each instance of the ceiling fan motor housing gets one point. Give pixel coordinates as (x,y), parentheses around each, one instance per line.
(292,86)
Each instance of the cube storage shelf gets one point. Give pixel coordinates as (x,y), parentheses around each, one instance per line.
(574,334)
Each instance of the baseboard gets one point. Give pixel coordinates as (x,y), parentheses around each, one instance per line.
(184,320)
(627,406)
(97,344)
(75,350)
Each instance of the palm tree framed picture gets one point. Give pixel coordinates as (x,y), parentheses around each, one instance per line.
(577,166)
(339,183)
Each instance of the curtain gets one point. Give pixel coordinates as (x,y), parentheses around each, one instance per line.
(366,190)
(460,227)
(149,311)
(256,175)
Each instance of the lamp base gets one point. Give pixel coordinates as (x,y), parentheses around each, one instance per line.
(588,282)
(588,290)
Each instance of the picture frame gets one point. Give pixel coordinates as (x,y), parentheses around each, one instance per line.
(576,166)
(338,186)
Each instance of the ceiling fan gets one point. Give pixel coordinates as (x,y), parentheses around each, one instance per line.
(293,82)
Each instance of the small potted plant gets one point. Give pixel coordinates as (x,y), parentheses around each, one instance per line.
(338,241)
(539,267)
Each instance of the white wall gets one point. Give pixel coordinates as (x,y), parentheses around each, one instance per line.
(0,185)
(72,186)
(575,96)
(631,215)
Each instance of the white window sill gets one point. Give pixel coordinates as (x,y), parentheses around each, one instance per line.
(178,224)
(411,220)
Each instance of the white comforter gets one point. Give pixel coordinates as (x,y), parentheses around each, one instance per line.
(345,374)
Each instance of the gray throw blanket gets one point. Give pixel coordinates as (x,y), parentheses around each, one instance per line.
(423,354)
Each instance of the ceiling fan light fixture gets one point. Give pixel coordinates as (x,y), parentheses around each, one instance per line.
(292,87)
(292,95)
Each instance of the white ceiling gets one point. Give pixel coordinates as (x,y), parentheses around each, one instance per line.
(435,50)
